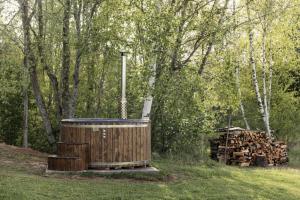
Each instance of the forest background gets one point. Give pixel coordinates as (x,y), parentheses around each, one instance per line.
(213,59)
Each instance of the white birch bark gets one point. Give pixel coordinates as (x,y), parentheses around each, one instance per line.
(254,76)
(264,63)
(238,85)
(270,81)
(149,98)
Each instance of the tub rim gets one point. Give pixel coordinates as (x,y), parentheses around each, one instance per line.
(101,120)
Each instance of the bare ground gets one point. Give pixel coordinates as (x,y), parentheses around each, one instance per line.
(17,158)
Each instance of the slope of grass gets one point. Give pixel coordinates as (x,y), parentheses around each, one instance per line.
(20,179)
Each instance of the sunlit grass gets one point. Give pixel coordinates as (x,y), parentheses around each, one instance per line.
(178,179)
(203,181)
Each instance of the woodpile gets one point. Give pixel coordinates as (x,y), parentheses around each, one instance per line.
(248,148)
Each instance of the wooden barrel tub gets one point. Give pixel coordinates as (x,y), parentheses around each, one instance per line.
(111,142)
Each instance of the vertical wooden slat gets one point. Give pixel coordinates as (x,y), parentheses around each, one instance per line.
(129,153)
(116,145)
(66,131)
(138,144)
(96,145)
(113,136)
(144,144)
(81,133)
(78,139)
(74,138)
(149,142)
(88,135)
(71,135)
(125,144)
(141,143)
(105,145)
(120,140)
(109,145)
(128,158)
(100,145)
(91,146)
(134,144)
(63,134)
(61,137)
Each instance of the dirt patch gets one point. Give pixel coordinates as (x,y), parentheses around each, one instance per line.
(27,159)
(21,150)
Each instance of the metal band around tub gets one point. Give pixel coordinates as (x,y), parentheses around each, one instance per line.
(105,126)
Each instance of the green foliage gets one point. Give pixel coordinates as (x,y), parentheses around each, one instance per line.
(10,94)
(187,106)
(179,121)
(11,118)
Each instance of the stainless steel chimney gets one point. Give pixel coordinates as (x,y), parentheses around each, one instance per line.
(123,87)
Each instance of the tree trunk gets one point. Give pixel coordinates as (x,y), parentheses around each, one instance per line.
(77,17)
(270,81)
(212,39)
(149,98)
(100,92)
(43,59)
(101,83)
(25,95)
(90,100)
(254,75)
(82,44)
(25,114)
(178,42)
(65,93)
(30,63)
(41,104)
(264,63)
(240,98)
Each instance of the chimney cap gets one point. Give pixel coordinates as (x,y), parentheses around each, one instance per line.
(123,51)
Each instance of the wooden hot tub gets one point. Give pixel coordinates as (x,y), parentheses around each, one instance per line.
(110,142)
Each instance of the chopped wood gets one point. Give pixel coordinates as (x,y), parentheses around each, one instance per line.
(248,148)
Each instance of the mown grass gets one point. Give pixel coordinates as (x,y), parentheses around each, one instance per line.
(294,157)
(177,180)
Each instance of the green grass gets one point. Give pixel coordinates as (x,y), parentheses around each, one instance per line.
(294,155)
(177,180)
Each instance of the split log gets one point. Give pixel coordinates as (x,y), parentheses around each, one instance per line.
(248,148)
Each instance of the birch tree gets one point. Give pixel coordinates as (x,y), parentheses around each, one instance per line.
(148,100)
(237,74)
(261,104)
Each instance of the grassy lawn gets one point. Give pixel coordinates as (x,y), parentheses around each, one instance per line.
(22,177)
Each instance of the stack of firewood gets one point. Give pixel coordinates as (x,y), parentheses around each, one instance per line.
(248,148)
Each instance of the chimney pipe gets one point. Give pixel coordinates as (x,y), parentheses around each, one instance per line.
(123,87)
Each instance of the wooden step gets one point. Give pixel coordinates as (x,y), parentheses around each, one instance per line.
(60,163)
(80,150)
